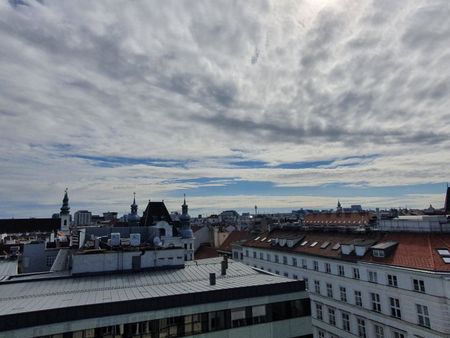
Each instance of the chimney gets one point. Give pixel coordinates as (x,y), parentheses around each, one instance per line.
(224,268)
(212,278)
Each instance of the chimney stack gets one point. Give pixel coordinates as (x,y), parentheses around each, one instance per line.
(212,278)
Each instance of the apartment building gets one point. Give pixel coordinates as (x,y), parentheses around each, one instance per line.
(363,284)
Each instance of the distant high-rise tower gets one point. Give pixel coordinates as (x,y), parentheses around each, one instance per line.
(447,201)
(65,213)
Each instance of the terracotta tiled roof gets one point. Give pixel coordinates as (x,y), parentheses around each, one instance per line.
(338,219)
(205,251)
(233,237)
(414,250)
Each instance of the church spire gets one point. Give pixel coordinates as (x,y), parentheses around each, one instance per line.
(65,209)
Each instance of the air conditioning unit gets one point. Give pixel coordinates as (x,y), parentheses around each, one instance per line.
(135,239)
(115,239)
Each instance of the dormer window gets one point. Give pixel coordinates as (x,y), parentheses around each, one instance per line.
(378,253)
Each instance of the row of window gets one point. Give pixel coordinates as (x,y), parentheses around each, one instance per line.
(361,327)
(423,316)
(372,276)
(199,323)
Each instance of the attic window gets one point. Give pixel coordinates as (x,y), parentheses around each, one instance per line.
(256,238)
(378,253)
(313,244)
(324,245)
(336,246)
(443,252)
(304,243)
(262,240)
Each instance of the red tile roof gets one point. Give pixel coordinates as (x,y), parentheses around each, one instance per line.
(414,250)
(233,237)
(338,219)
(205,251)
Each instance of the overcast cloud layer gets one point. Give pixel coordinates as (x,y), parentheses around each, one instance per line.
(284,104)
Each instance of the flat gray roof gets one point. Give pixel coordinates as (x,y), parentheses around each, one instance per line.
(28,295)
(8,268)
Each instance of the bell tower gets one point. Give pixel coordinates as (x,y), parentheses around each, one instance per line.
(65,214)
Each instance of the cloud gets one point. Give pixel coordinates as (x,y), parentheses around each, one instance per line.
(113,97)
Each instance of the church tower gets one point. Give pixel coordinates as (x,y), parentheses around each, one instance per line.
(65,214)
(187,236)
(133,218)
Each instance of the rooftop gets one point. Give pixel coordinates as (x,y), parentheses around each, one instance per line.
(414,250)
(39,297)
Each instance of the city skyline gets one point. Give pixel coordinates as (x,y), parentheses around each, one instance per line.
(274,104)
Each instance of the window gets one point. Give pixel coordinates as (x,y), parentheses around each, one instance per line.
(378,253)
(356,273)
(358,298)
(304,264)
(331,316)
(254,254)
(268,257)
(392,280)
(341,270)
(345,321)
(395,307)
(261,256)
(246,253)
(361,328)
(259,314)
(329,290)
(398,334)
(316,265)
(238,317)
(419,285)
(343,294)
(379,331)
(423,315)
(276,259)
(306,283)
(284,260)
(277,272)
(295,276)
(373,276)
(327,268)
(321,334)
(319,313)
(376,304)
(294,261)
(285,274)
(317,286)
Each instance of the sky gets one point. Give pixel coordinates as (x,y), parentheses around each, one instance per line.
(280,104)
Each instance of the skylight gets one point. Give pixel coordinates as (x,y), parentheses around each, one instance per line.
(313,244)
(262,240)
(446,260)
(443,252)
(256,238)
(324,245)
(336,246)
(304,243)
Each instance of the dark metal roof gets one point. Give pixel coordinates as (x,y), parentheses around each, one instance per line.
(155,212)
(39,302)
(18,225)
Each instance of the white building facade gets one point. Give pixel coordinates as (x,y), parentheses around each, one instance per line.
(363,296)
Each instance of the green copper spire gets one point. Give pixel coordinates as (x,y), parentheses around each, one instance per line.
(65,209)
